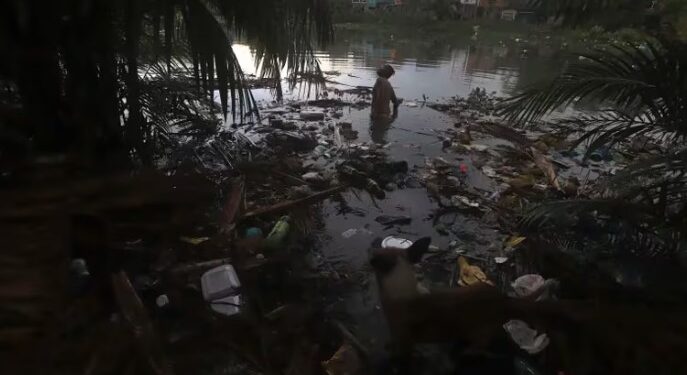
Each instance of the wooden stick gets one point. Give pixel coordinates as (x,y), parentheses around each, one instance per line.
(287,205)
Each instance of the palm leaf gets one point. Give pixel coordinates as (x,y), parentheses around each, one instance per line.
(627,78)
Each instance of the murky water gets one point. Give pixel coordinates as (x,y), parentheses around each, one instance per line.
(425,70)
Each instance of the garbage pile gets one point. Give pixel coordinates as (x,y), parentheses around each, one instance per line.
(230,290)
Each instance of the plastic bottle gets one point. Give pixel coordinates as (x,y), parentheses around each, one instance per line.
(278,235)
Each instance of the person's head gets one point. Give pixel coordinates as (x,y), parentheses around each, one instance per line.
(386,71)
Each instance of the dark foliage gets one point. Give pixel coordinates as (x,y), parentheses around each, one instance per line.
(642,92)
(76,74)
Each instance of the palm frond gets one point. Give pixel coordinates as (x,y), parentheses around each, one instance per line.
(630,79)
(616,224)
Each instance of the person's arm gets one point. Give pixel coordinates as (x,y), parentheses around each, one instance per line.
(394,100)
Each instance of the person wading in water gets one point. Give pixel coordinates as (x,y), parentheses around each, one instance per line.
(383,94)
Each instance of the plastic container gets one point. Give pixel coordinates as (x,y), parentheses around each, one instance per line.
(220,282)
(278,235)
(230,305)
(253,232)
(396,242)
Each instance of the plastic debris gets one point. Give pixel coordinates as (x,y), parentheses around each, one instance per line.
(220,282)
(193,240)
(254,232)
(162,300)
(396,242)
(469,274)
(349,233)
(500,260)
(534,285)
(489,171)
(527,338)
(459,200)
(278,235)
(221,287)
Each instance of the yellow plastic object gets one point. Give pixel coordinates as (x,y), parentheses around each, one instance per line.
(469,274)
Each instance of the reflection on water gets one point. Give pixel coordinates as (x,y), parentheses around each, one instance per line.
(431,68)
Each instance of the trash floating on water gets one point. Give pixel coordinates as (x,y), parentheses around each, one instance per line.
(396,242)
(469,274)
(489,171)
(527,338)
(458,200)
(533,285)
(349,233)
(221,287)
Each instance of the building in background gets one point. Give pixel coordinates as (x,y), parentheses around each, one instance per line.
(372,4)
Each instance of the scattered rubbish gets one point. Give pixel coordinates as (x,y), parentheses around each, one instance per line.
(254,232)
(221,287)
(279,233)
(345,361)
(463,168)
(525,337)
(411,104)
(602,154)
(315,179)
(514,241)
(522,367)
(500,260)
(489,171)
(162,300)
(193,240)
(387,220)
(458,200)
(219,282)
(349,233)
(477,147)
(396,242)
(469,274)
(535,286)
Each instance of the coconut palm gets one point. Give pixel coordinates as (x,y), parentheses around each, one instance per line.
(76,67)
(641,91)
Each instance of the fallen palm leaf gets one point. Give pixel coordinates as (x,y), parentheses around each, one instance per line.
(545,165)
